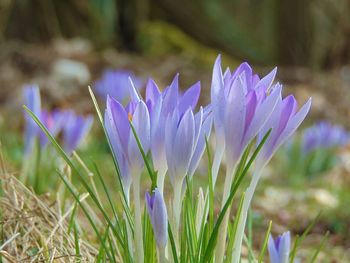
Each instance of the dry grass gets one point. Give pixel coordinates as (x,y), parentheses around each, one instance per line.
(35,230)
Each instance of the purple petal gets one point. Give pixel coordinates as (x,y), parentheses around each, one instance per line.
(141,123)
(234,121)
(117,149)
(179,152)
(190,98)
(266,82)
(284,248)
(273,253)
(218,98)
(200,144)
(261,116)
(120,120)
(152,92)
(171,96)
(293,124)
(133,92)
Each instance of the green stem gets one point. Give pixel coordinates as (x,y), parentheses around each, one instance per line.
(217,161)
(177,209)
(160,181)
(236,252)
(138,221)
(37,179)
(161,255)
(220,252)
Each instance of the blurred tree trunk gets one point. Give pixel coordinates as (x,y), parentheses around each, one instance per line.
(294,32)
(130,15)
(42,20)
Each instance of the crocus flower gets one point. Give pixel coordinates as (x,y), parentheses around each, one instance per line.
(75,128)
(122,139)
(116,84)
(53,121)
(324,135)
(163,104)
(284,121)
(32,101)
(241,104)
(158,215)
(279,248)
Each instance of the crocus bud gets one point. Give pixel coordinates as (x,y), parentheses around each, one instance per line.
(279,248)
(159,218)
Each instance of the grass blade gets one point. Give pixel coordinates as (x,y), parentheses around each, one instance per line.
(266,239)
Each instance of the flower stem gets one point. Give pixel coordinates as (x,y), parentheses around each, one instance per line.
(219,256)
(177,209)
(160,181)
(236,252)
(161,255)
(138,221)
(217,161)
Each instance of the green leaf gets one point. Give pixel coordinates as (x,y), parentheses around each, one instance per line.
(172,244)
(213,238)
(266,239)
(324,239)
(300,239)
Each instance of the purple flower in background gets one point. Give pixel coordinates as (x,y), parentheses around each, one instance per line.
(32,101)
(324,135)
(279,248)
(284,121)
(121,137)
(158,215)
(75,128)
(116,84)
(53,122)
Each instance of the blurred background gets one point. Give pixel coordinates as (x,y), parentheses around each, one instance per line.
(64,46)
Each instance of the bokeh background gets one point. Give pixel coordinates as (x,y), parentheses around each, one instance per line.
(64,46)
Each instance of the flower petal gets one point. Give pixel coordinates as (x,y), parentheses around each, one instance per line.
(190,98)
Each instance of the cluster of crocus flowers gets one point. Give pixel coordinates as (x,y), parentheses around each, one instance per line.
(73,127)
(115,84)
(324,135)
(244,108)
(165,124)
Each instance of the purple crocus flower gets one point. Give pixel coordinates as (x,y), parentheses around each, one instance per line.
(32,101)
(116,84)
(279,248)
(284,121)
(324,135)
(241,104)
(123,142)
(163,104)
(159,218)
(75,128)
(179,144)
(53,122)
